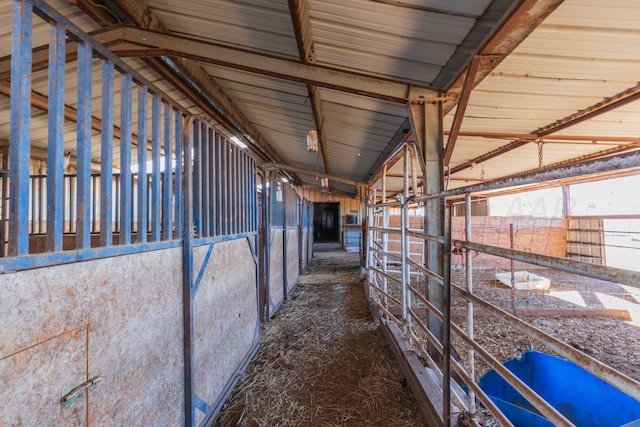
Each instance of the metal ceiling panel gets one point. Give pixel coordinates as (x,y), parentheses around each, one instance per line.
(398,40)
(585,52)
(261,25)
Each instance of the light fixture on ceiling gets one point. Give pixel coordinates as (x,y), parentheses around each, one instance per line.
(238,142)
(312,141)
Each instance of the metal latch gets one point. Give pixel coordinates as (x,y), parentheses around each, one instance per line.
(79,389)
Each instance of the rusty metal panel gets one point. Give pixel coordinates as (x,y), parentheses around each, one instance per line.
(276,274)
(225,319)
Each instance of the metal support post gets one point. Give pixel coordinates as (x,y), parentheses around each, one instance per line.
(406,253)
(403,248)
(446,317)
(426,124)
(469,282)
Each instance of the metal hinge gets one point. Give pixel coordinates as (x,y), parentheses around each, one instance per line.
(79,389)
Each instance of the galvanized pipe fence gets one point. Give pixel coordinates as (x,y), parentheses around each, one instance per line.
(397,286)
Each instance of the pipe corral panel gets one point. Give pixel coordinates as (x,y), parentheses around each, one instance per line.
(116,318)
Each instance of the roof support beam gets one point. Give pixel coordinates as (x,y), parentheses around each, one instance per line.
(462,108)
(593,139)
(154,44)
(299,11)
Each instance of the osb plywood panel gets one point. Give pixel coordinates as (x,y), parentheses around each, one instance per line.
(225,318)
(293,259)
(276,275)
(310,244)
(132,306)
(305,244)
(34,379)
(545,236)
(136,340)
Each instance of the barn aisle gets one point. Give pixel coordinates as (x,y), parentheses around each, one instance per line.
(323,361)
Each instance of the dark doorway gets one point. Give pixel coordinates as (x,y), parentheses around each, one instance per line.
(326,222)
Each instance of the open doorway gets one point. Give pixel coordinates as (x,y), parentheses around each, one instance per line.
(326,222)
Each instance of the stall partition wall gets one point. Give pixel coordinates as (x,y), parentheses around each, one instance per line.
(284,243)
(153,330)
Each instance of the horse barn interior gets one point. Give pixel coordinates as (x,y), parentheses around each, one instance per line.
(178,177)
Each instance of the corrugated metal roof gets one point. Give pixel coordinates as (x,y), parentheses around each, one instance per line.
(408,40)
(585,52)
(263,25)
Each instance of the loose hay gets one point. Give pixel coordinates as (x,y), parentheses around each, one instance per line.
(323,361)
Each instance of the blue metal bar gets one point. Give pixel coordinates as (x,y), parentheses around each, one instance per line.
(125,160)
(143,181)
(167,182)
(254,196)
(225,186)
(247,211)
(248,216)
(51,15)
(225,238)
(218,184)
(115,206)
(246,194)
(94,202)
(204,186)
(34,205)
(254,190)
(235,196)
(187,274)
(106,170)
(201,405)
(242,193)
(197,181)
(20,124)
(212,180)
(28,262)
(55,144)
(156,183)
(203,269)
(179,205)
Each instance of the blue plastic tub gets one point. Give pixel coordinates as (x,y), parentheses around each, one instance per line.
(580,396)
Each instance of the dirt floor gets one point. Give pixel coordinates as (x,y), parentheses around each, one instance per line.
(323,361)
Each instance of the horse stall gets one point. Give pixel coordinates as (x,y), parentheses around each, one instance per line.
(129,286)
